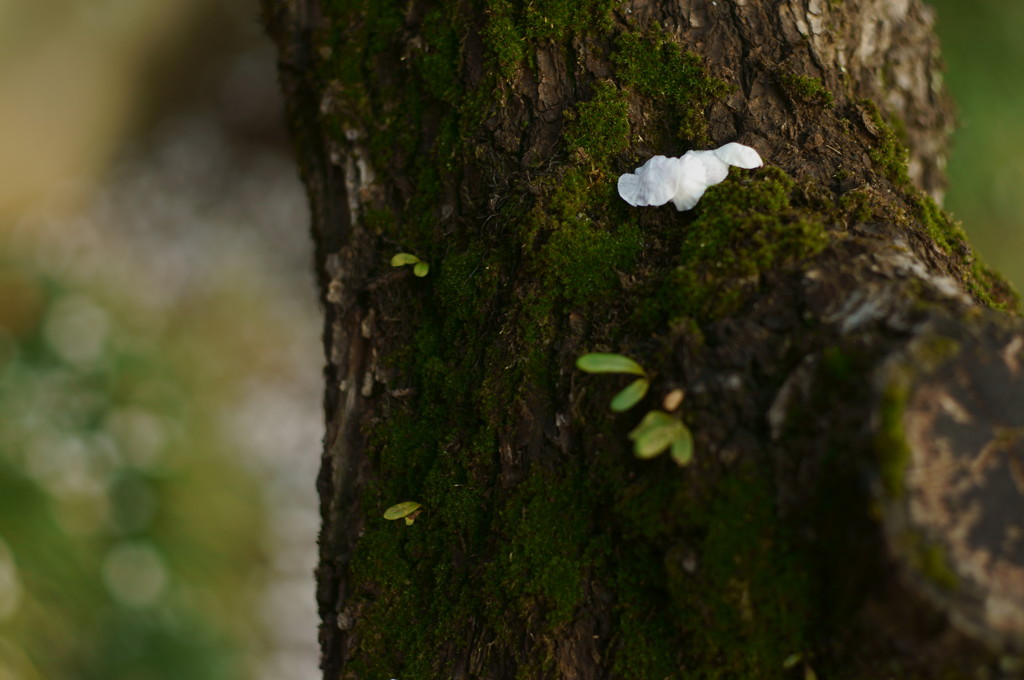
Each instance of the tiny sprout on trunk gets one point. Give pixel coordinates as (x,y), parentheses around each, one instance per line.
(658,430)
(616,363)
(419,267)
(407,510)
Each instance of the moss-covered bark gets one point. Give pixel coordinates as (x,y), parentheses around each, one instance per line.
(485,137)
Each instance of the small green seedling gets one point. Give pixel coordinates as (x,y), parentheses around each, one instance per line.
(407,511)
(419,267)
(616,363)
(659,431)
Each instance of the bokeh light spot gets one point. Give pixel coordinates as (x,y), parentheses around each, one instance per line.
(10,588)
(135,573)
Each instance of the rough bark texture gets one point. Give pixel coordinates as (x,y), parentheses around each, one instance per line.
(854,502)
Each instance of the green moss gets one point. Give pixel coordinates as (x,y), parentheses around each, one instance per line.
(467,282)
(932,562)
(889,154)
(987,286)
(583,261)
(438,61)
(641,508)
(647,641)
(546,524)
(389,631)
(537,328)
(991,288)
(745,226)
(440,447)
(578,258)
(504,39)
(891,440)
(890,158)
(413,598)
(453,498)
(655,65)
(806,89)
(940,226)
(571,193)
(379,220)
(511,29)
(749,604)
(859,205)
(716,587)
(600,127)
(556,20)
(926,355)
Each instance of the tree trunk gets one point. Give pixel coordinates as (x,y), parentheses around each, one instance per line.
(849,372)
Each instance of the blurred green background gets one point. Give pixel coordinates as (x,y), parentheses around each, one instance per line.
(160,361)
(983,45)
(159,339)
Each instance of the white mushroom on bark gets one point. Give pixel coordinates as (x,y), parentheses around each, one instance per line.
(684,180)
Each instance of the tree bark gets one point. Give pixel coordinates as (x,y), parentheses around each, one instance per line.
(851,375)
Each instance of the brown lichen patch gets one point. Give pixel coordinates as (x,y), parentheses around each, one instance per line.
(958,526)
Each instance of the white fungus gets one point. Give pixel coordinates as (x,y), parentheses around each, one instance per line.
(684,180)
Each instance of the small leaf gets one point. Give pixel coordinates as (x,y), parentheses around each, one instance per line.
(420,269)
(792,660)
(403,259)
(658,431)
(653,442)
(654,434)
(682,446)
(609,363)
(653,419)
(630,396)
(809,673)
(402,510)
